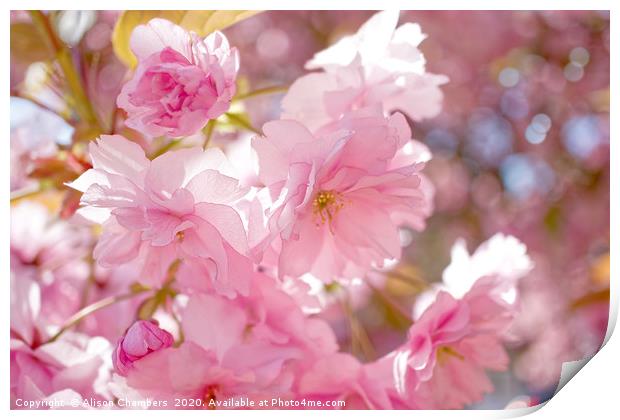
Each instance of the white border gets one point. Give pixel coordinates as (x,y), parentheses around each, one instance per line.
(592,394)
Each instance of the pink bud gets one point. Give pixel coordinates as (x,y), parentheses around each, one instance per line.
(141,339)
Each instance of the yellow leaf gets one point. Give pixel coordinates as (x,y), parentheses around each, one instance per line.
(202,22)
(125,25)
(26,45)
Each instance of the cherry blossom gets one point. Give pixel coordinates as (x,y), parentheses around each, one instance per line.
(380,64)
(181,81)
(339,198)
(178,206)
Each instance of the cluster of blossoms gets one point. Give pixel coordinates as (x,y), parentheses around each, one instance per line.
(226,262)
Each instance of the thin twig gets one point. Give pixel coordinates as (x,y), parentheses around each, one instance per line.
(390,303)
(26,192)
(92,308)
(242,123)
(90,281)
(83,107)
(165,148)
(40,104)
(262,91)
(360,341)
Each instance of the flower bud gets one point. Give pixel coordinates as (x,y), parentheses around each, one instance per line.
(141,339)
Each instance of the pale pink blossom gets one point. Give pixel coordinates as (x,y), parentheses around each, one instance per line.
(339,197)
(141,339)
(501,260)
(181,81)
(39,367)
(188,371)
(178,206)
(460,325)
(26,323)
(34,135)
(51,252)
(341,377)
(449,348)
(74,362)
(380,64)
(40,238)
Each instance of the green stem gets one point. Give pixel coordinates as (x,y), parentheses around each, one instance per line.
(234,118)
(263,91)
(208,131)
(165,148)
(83,107)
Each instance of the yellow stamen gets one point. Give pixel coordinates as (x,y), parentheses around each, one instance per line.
(326,204)
(444,352)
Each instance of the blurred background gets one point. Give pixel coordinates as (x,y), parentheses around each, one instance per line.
(521,147)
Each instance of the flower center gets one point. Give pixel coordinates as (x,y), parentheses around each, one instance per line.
(444,352)
(210,397)
(326,204)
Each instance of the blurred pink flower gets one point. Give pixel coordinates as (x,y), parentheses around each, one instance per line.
(339,197)
(40,368)
(380,64)
(141,339)
(178,206)
(34,135)
(181,81)
(341,377)
(25,309)
(74,362)
(50,252)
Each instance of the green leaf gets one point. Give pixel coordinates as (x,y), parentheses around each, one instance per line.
(238,120)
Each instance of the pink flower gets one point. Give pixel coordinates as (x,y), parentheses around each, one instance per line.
(181,81)
(378,65)
(443,363)
(141,339)
(339,197)
(40,369)
(74,362)
(341,377)
(26,308)
(188,371)
(49,251)
(499,262)
(179,206)
(244,347)
(460,326)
